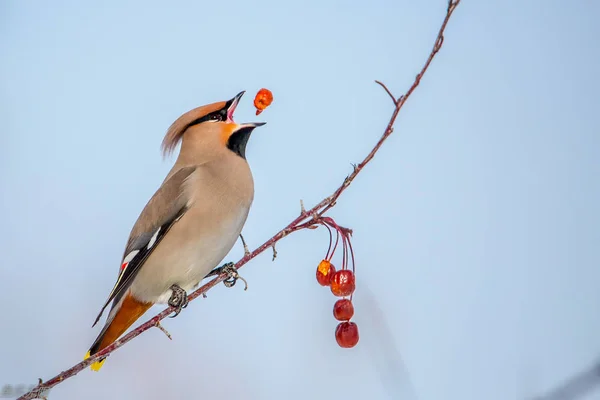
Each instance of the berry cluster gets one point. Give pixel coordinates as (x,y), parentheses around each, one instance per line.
(342,283)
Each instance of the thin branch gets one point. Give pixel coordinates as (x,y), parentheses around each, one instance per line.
(388,91)
(306,217)
(162,328)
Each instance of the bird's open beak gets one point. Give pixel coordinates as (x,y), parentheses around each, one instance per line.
(233,104)
(231,109)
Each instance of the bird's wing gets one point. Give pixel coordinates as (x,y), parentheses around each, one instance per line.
(163,210)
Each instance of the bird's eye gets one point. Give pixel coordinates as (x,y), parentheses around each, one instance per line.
(216,117)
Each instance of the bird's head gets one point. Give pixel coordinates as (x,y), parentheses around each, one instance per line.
(211,128)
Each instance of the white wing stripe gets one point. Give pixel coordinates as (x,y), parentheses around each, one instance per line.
(130,256)
(153,238)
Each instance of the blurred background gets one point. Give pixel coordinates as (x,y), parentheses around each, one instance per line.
(475,227)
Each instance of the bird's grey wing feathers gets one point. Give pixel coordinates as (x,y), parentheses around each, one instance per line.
(163,210)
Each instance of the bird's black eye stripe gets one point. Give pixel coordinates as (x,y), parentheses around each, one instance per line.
(220,115)
(215,116)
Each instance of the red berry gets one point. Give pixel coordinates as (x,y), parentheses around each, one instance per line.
(343,310)
(346,334)
(262,100)
(342,283)
(325,272)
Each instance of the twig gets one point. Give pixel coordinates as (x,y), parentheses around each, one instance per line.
(388,92)
(246,250)
(162,328)
(274,251)
(315,212)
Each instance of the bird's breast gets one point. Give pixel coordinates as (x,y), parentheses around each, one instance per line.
(198,242)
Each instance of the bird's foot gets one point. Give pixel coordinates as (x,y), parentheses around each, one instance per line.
(178,299)
(232,275)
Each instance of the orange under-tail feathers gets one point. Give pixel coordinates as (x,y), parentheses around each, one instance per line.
(131,309)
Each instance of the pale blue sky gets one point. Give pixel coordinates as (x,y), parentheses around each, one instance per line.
(476,227)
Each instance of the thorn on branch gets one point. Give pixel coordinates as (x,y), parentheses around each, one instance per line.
(274,252)
(40,391)
(347,181)
(302,209)
(246,250)
(162,328)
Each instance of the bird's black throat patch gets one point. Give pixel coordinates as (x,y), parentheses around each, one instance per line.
(238,140)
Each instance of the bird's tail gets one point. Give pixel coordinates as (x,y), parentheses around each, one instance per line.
(118,322)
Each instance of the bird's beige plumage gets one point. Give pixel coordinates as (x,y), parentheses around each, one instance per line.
(191,222)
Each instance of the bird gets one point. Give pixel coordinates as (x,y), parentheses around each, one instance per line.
(190,223)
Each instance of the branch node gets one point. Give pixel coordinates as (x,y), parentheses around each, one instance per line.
(439,43)
(40,391)
(302,209)
(162,328)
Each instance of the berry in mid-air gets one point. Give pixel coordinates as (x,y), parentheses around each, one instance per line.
(262,100)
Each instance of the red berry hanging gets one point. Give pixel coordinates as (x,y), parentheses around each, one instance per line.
(343,310)
(343,283)
(346,334)
(325,272)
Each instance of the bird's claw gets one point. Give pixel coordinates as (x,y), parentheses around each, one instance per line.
(178,299)
(232,275)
